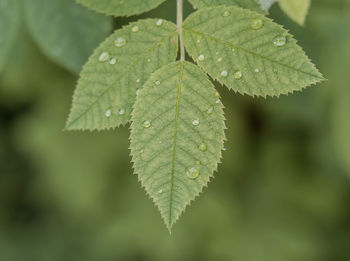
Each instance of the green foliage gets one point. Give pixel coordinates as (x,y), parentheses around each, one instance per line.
(9,23)
(249,4)
(247,52)
(65,31)
(119,67)
(121,7)
(177,135)
(296,9)
(177,119)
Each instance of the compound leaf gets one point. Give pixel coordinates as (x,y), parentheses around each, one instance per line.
(121,7)
(66,31)
(177,135)
(249,4)
(109,81)
(247,52)
(296,9)
(9,24)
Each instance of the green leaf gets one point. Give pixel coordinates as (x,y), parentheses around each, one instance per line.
(177,135)
(121,7)
(249,4)
(296,9)
(109,81)
(65,31)
(247,52)
(9,24)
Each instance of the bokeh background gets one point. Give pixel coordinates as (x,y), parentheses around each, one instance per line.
(282,191)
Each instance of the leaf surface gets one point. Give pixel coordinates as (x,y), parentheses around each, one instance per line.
(247,52)
(249,4)
(296,9)
(9,23)
(66,31)
(121,7)
(120,66)
(177,135)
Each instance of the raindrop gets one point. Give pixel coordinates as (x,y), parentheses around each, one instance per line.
(135,29)
(224,148)
(157,82)
(119,42)
(159,22)
(147,124)
(257,24)
(195,122)
(137,91)
(202,146)
(237,75)
(199,40)
(121,111)
(219,59)
(108,113)
(160,191)
(256,70)
(113,61)
(217,94)
(226,13)
(201,57)
(192,173)
(210,110)
(104,56)
(224,73)
(279,40)
(142,151)
(148,60)
(217,101)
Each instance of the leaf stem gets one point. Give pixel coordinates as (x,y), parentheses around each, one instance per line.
(179,28)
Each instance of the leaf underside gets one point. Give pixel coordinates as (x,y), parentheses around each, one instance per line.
(249,4)
(222,39)
(170,123)
(296,9)
(107,89)
(121,7)
(9,23)
(66,31)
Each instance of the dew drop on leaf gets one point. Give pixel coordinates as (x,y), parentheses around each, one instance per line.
(224,73)
(137,92)
(159,22)
(237,75)
(160,191)
(135,29)
(121,111)
(210,110)
(201,57)
(147,124)
(257,24)
(157,82)
(279,40)
(256,70)
(108,113)
(195,122)
(192,173)
(202,146)
(113,61)
(104,56)
(220,59)
(226,13)
(119,42)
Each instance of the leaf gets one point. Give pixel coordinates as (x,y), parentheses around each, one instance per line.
(266,4)
(247,52)
(9,24)
(177,129)
(107,86)
(65,31)
(296,9)
(121,7)
(249,4)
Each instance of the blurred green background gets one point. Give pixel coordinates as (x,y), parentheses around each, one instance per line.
(282,191)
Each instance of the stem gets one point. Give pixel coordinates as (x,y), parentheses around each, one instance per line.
(179,28)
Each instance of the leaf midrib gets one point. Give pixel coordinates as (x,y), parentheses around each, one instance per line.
(122,75)
(204,35)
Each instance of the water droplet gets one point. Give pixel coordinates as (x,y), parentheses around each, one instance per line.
(224,148)
(201,57)
(157,82)
(159,22)
(135,29)
(147,124)
(104,56)
(217,94)
(217,101)
(192,173)
(199,40)
(256,70)
(108,113)
(137,91)
(142,151)
(257,24)
(202,146)
(219,59)
(210,110)
(121,111)
(160,191)
(138,80)
(237,75)
(113,61)
(226,13)
(195,122)
(148,60)
(119,42)
(279,40)
(224,73)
